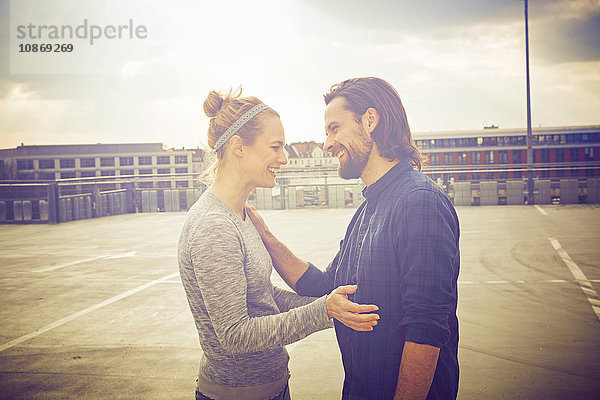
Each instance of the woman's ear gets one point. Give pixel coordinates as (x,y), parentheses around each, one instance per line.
(236,145)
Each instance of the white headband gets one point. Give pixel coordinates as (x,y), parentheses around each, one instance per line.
(248,115)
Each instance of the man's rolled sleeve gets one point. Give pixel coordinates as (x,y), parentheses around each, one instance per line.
(428,242)
(313,283)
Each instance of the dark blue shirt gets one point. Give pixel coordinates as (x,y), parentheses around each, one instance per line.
(401,249)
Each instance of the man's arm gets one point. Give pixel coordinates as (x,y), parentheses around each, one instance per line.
(428,242)
(417,369)
(287,265)
(292,268)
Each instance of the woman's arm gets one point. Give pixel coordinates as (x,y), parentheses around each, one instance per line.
(218,261)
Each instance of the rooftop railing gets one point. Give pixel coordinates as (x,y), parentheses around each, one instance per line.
(66,200)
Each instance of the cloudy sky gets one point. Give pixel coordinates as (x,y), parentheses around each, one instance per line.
(457,65)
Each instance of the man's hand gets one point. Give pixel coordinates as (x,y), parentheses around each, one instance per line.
(287,265)
(349,313)
(257,220)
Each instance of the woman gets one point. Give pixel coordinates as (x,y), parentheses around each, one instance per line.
(243,321)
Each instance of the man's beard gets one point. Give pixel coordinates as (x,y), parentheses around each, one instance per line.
(356,157)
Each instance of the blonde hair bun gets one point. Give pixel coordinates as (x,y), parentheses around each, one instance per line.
(213,104)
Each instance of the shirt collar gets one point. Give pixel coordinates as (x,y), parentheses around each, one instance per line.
(372,192)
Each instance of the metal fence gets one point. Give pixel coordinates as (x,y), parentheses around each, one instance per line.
(84,198)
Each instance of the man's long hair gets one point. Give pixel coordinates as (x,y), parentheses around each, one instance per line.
(392,133)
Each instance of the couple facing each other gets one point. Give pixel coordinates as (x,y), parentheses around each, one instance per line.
(391,290)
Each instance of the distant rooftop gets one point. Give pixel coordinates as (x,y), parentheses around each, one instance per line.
(497,131)
(111,148)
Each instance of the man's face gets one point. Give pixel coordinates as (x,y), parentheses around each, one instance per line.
(347,139)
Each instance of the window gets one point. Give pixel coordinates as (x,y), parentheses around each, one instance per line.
(164,170)
(180,160)
(46,164)
(47,176)
(88,174)
(462,159)
(24,164)
(67,163)
(563,139)
(503,156)
(574,153)
(489,157)
(145,160)
(26,175)
(163,159)
(517,140)
(560,155)
(124,161)
(489,175)
(107,173)
(67,175)
(545,155)
(476,176)
(517,157)
(107,162)
(126,172)
(145,171)
(588,153)
(479,141)
(589,172)
(182,184)
(447,158)
(88,163)
(489,141)
(475,157)
(163,184)
(181,170)
(462,176)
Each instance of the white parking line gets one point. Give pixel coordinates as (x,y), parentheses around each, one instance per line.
(586,287)
(540,209)
(78,314)
(522,281)
(59,266)
(108,256)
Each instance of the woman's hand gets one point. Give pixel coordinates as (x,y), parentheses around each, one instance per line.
(349,313)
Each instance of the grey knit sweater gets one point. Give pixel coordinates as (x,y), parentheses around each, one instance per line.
(243,321)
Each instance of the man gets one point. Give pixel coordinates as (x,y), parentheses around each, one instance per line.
(400,250)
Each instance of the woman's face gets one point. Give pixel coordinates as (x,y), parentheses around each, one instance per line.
(265,156)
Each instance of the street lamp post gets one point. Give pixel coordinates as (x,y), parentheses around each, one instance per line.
(530,186)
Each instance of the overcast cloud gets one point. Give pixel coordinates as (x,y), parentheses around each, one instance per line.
(457,65)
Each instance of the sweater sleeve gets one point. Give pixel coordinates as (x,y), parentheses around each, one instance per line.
(217,253)
(286,300)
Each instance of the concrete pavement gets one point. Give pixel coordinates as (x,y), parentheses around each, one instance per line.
(94,309)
